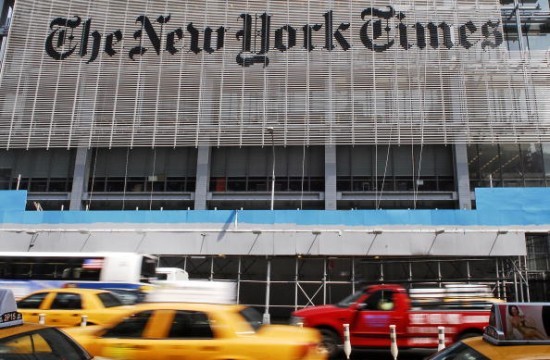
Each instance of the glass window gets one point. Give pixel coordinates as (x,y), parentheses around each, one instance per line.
(347,301)
(109,300)
(532,161)
(253,317)
(67,301)
(131,327)
(257,184)
(236,184)
(489,166)
(32,301)
(47,343)
(510,159)
(190,324)
(380,300)
(343,183)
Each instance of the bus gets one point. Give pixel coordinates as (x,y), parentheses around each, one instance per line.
(25,272)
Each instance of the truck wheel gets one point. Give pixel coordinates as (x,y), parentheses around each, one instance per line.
(331,342)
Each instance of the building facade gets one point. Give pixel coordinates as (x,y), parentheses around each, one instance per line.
(238,111)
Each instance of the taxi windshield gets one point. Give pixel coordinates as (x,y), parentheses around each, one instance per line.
(458,351)
(253,317)
(347,301)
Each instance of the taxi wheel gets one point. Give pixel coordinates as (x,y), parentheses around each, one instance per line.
(330,342)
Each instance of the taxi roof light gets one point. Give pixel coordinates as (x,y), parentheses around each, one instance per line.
(8,310)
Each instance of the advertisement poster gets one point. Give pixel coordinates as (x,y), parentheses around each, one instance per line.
(525,321)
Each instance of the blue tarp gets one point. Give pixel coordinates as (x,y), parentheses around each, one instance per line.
(495,207)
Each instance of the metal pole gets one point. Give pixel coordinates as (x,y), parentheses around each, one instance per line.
(239,282)
(270,130)
(526,279)
(296,270)
(267,317)
(498,279)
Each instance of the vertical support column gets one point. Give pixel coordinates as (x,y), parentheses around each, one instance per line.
(462,175)
(4,10)
(330,177)
(267,315)
(203,177)
(80,178)
(296,270)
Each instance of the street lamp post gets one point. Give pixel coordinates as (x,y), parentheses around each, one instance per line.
(270,130)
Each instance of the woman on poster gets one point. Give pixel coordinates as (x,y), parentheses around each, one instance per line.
(519,323)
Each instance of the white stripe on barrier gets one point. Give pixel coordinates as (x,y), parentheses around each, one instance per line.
(347,341)
(393,339)
(441,338)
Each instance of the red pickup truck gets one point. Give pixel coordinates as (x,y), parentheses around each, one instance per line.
(370,313)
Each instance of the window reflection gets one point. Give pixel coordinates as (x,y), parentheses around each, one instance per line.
(508,165)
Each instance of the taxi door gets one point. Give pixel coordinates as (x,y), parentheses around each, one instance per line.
(370,325)
(135,337)
(189,335)
(65,310)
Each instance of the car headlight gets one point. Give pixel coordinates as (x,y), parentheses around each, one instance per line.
(296,320)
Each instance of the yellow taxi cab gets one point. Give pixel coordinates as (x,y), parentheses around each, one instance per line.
(516,331)
(19,340)
(71,306)
(198,331)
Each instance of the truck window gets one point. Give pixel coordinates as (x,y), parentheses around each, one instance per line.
(380,300)
(347,301)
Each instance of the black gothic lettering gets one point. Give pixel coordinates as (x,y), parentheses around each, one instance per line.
(308,31)
(469,26)
(377,28)
(171,40)
(85,35)
(246,32)
(109,42)
(51,50)
(96,36)
(420,35)
(194,45)
(340,38)
(491,29)
(376,34)
(247,61)
(221,37)
(151,34)
(291,38)
(245,58)
(328,30)
(402,28)
(434,35)
(95,47)
(266,25)
(208,40)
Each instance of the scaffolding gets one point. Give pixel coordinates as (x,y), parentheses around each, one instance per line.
(280,285)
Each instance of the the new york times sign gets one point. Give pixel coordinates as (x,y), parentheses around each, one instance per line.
(381,29)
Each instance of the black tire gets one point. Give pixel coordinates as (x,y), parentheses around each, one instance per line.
(331,343)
